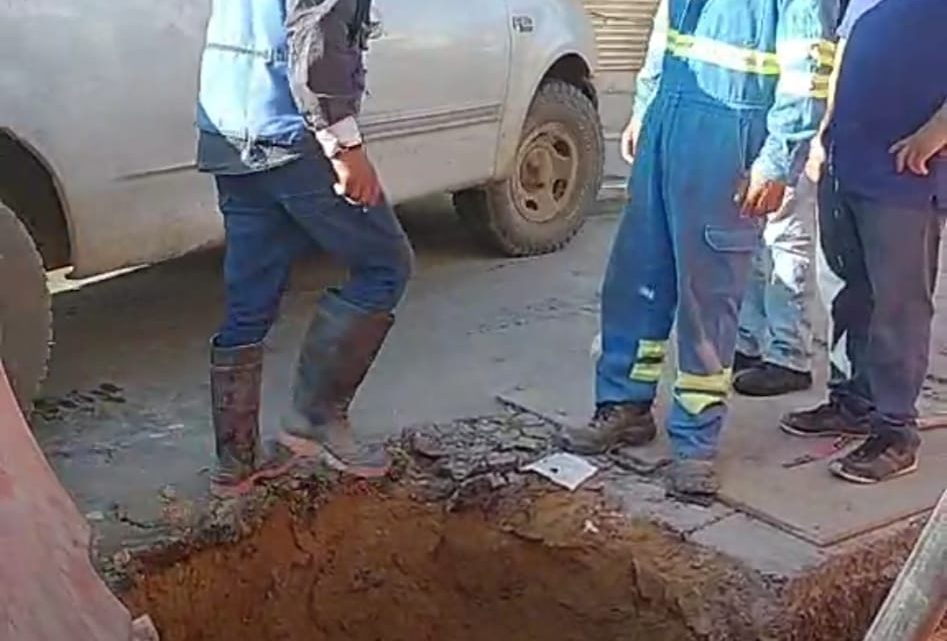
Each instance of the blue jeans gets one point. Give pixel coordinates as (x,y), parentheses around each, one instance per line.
(878,271)
(273,217)
(776,317)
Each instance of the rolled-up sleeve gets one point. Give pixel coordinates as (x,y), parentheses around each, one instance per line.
(805,48)
(325,69)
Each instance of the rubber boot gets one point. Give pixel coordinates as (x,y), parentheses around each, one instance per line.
(339,348)
(235,378)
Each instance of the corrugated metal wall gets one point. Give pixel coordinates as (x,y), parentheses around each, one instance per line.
(622,28)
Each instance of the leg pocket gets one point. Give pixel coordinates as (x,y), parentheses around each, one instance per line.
(732,239)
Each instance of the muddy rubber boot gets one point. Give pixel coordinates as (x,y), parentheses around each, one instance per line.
(612,426)
(692,480)
(337,352)
(235,377)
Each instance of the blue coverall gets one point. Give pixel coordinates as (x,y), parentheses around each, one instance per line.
(742,89)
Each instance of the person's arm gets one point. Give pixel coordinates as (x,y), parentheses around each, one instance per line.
(328,90)
(817,154)
(914,152)
(806,53)
(323,85)
(646,82)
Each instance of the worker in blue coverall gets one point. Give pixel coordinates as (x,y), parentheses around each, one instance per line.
(883,200)
(280,92)
(742,91)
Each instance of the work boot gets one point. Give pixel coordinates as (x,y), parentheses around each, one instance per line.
(828,419)
(769,379)
(339,348)
(884,456)
(693,480)
(613,425)
(235,378)
(743,362)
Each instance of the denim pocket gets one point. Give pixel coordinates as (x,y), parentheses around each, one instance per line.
(732,239)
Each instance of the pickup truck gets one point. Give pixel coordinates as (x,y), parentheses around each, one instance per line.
(492,101)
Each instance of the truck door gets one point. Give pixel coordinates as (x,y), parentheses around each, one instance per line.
(437,76)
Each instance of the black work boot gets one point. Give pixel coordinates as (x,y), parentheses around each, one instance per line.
(828,419)
(235,378)
(337,352)
(884,456)
(769,379)
(613,425)
(743,362)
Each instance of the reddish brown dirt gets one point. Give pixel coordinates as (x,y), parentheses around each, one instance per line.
(368,567)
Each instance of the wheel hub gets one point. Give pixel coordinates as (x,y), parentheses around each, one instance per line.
(546,174)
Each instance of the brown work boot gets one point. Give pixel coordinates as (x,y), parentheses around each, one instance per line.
(692,480)
(337,352)
(235,377)
(613,425)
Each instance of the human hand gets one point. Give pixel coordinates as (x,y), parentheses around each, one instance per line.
(629,140)
(914,152)
(815,163)
(763,196)
(356,178)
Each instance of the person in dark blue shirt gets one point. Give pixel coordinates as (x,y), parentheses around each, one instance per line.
(883,201)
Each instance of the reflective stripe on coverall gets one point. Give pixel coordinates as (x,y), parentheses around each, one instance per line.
(743,86)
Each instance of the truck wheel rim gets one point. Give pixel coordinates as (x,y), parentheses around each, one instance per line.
(546,176)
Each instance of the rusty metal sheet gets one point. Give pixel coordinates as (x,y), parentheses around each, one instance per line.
(49,590)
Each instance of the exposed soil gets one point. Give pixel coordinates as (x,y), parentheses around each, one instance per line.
(371,567)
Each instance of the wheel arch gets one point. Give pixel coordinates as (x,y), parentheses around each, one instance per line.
(31,188)
(567,65)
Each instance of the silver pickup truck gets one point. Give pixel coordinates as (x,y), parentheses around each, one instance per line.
(490,100)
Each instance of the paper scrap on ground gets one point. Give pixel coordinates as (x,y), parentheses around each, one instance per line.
(567,470)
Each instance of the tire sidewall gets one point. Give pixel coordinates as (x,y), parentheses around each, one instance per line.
(564,104)
(25,309)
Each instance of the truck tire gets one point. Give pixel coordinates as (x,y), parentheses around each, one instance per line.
(25,310)
(556,178)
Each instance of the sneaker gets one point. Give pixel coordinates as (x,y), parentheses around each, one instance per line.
(882,457)
(613,425)
(828,419)
(743,362)
(769,379)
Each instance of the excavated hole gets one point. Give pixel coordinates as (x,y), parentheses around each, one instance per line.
(380,568)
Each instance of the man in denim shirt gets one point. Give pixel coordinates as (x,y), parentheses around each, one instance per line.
(280,91)
(883,201)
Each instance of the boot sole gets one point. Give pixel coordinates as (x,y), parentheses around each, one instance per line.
(840,472)
(246,486)
(306,449)
(792,431)
(771,393)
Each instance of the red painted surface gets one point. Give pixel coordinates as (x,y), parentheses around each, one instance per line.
(48,588)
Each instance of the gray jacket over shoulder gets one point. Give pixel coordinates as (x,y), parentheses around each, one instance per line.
(327,40)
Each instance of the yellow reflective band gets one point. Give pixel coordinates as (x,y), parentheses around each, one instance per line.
(805,85)
(798,51)
(649,361)
(722,54)
(697,393)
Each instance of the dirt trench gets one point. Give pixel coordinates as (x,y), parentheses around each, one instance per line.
(376,566)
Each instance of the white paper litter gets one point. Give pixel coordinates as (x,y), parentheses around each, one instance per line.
(567,470)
